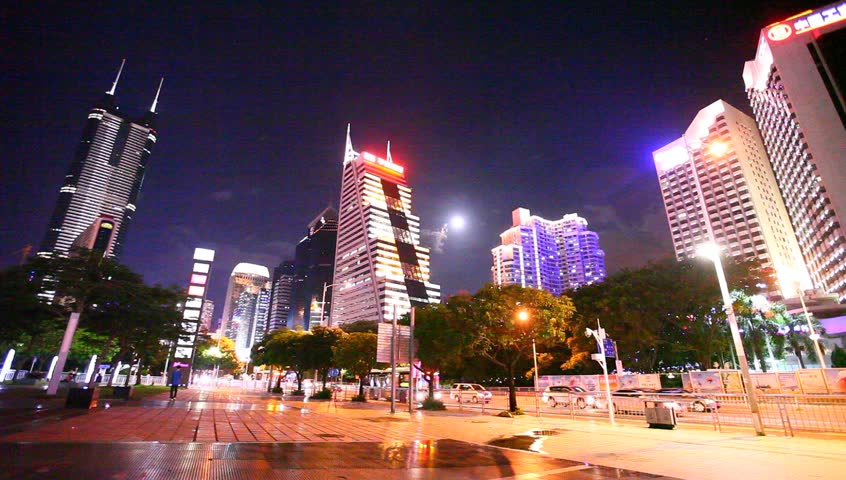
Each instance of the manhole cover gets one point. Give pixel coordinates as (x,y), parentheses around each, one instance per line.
(387,419)
(330,435)
(545,433)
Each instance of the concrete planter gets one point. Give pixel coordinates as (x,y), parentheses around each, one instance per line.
(82,397)
(122,392)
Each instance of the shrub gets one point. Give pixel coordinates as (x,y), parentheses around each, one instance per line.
(359,398)
(838,357)
(431,404)
(298,393)
(276,390)
(324,394)
(510,414)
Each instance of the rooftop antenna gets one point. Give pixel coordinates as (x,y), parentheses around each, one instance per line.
(156,100)
(114,85)
(389,159)
(349,153)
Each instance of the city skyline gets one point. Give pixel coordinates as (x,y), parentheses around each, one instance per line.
(559,114)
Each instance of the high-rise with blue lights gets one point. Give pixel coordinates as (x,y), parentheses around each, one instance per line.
(551,255)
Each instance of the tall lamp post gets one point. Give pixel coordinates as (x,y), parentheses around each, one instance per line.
(712,252)
(326,286)
(814,335)
(523,316)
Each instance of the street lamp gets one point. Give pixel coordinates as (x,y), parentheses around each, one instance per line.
(599,335)
(711,252)
(813,333)
(326,286)
(523,316)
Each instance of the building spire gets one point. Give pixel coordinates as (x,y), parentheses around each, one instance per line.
(388,157)
(349,153)
(156,100)
(114,85)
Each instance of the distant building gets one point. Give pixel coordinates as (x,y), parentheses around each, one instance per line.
(207,317)
(314,267)
(551,255)
(239,311)
(796,85)
(259,323)
(381,270)
(280,295)
(718,187)
(100,191)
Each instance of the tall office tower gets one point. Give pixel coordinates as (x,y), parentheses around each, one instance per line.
(380,267)
(315,265)
(280,295)
(104,179)
(718,186)
(796,85)
(529,255)
(582,258)
(207,317)
(259,323)
(186,344)
(245,284)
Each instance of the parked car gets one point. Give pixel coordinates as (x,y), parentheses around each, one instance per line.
(630,400)
(688,400)
(469,392)
(563,395)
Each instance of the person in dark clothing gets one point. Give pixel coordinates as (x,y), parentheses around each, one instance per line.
(175,379)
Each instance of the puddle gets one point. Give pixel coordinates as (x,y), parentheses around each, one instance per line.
(531,441)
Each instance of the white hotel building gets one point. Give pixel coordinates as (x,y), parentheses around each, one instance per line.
(717,186)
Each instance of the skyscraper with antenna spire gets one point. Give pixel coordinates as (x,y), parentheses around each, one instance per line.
(98,197)
(381,270)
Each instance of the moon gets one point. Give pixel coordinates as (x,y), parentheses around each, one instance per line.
(457,222)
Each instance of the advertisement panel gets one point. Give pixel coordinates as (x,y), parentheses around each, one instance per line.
(731,381)
(706,382)
(812,380)
(765,382)
(648,380)
(788,382)
(629,380)
(836,379)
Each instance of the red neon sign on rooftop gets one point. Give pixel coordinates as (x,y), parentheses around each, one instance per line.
(806,22)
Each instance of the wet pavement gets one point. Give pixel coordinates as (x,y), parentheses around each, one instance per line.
(236,434)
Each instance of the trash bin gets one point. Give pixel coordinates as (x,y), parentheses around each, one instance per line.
(659,414)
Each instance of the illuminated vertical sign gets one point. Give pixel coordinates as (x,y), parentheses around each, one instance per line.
(183,354)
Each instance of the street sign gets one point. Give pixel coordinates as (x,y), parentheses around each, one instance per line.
(383,343)
(610,351)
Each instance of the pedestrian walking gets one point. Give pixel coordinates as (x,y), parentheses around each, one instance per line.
(175,379)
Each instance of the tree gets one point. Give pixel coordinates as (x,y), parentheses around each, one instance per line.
(213,353)
(284,349)
(442,336)
(368,326)
(506,321)
(318,349)
(356,352)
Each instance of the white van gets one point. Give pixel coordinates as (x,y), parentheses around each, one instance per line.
(469,392)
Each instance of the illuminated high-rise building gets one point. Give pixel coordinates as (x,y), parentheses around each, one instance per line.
(207,317)
(551,255)
(186,344)
(718,187)
(796,85)
(314,265)
(280,295)
(239,311)
(380,267)
(100,191)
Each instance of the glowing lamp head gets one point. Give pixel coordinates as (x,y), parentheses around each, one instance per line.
(708,250)
(522,315)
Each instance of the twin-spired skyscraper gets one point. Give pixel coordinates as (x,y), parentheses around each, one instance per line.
(99,195)
(381,270)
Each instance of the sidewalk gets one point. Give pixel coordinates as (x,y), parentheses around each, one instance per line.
(452,439)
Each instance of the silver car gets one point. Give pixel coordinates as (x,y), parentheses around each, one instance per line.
(555,395)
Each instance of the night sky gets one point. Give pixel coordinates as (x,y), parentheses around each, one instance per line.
(489,107)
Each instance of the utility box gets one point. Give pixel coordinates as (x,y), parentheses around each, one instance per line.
(659,415)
